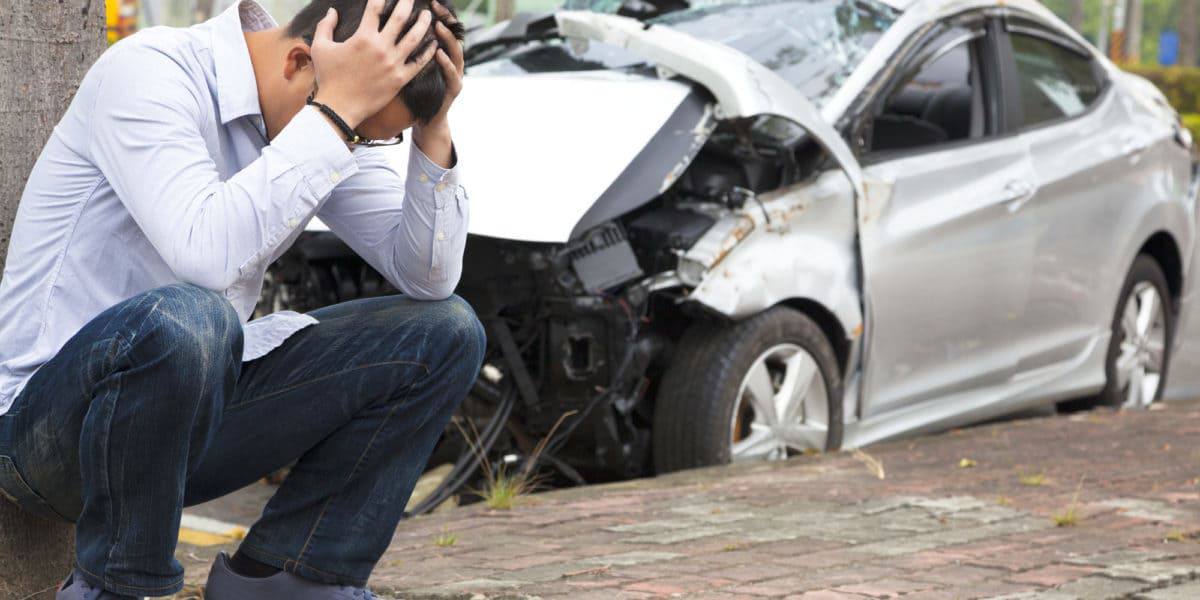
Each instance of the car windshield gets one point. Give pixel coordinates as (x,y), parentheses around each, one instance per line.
(813,44)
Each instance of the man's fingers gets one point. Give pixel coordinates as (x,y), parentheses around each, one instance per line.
(412,40)
(443,14)
(452,44)
(395,23)
(418,62)
(449,69)
(370,19)
(326,26)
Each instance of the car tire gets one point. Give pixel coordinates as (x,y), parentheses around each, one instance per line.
(694,419)
(1140,356)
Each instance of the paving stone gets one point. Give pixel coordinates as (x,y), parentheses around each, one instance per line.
(958,574)
(1186,591)
(1049,595)
(825,595)
(649,527)
(1052,575)
(687,584)
(631,558)
(1151,510)
(886,588)
(1152,572)
(679,535)
(1097,587)
(1117,557)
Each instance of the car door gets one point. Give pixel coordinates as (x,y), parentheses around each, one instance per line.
(946,258)
(1090,165)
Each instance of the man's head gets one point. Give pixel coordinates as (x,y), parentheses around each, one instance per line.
(418,101)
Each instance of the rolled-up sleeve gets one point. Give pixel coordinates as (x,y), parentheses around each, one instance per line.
(411,228)
(148,143)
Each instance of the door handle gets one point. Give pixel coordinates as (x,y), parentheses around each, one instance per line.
(1016,194)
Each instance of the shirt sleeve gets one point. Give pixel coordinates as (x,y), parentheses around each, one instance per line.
(411,228)
(147,141)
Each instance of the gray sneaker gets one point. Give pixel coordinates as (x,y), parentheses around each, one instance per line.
(77,588)
(225,584)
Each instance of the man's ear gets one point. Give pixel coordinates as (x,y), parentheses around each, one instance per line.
(299,60)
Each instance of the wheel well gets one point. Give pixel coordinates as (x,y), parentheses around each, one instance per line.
(1161,247)
(829,325)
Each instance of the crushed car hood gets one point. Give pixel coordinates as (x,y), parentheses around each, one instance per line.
(538,151)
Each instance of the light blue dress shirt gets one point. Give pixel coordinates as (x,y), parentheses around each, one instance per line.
(160,172)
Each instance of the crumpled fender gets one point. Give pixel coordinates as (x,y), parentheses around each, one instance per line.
(799,243)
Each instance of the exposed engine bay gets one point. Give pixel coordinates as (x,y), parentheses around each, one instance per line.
(583,327)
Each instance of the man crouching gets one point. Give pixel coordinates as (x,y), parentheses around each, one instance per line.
(131,384)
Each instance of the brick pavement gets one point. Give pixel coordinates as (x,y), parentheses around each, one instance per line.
(826,527)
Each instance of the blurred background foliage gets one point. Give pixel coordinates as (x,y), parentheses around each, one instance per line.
(1169,22)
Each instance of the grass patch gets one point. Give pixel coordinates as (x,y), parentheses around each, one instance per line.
(445,539)
(502,490)
(1070,517)
(1032,479)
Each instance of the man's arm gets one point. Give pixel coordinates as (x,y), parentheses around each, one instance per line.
(415,233)
(411,228)
(146,140)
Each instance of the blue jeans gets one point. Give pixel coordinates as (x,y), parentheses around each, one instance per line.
(149,409)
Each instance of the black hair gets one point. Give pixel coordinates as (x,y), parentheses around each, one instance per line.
(423,95)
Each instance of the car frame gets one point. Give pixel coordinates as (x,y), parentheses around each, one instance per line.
(872,275)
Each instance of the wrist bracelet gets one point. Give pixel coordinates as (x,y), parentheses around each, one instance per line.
(347,130)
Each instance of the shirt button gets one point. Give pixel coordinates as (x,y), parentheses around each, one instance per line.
(441,235)
(293,222)
(439,187)
(423,178)
(335,177)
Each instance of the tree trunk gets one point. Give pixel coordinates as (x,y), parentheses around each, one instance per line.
(1133,32)
(1076,17)
(1188,32)
(46,49)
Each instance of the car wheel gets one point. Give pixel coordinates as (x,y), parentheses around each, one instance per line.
(1139,349)
(765,388)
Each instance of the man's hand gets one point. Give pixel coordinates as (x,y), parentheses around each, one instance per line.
(358,77)
(433,138)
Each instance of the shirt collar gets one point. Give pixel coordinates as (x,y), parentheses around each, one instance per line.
(237,90)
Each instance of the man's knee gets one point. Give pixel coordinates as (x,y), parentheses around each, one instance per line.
(457,337)
(197,325)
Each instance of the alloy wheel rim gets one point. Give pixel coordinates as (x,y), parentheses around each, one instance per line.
(782,406)
(1143,332)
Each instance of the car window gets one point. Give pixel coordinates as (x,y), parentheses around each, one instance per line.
(1054,82)
(941,103)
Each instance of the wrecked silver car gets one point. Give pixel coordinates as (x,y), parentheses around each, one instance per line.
(744,230)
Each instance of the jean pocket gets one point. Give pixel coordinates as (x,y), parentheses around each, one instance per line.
(14,488)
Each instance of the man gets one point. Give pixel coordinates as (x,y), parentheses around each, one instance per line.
(130,384)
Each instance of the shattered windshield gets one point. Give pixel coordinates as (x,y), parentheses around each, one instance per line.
(813,44)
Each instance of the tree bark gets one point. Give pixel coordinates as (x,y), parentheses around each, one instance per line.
(1188,32)
(46,49)
(1133,32)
